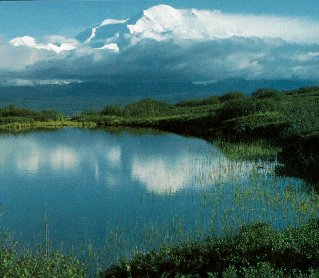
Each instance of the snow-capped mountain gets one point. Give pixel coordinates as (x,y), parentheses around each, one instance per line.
(163,22)
(179,45)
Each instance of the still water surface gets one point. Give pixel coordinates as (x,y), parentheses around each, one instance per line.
(123,191)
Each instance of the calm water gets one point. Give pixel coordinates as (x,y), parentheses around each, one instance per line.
(132,190)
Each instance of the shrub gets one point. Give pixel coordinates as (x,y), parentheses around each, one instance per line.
(257,251)
(266,93)
(307,90)
(48,115)
(238,108)
(113,110)
(25,115)
(14,264)
(199,102)
(233,96)
(148,107)
(14,111)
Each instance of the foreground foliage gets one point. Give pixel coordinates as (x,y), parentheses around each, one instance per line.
(14,264)
(257,251)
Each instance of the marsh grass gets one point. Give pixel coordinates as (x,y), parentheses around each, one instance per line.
(253,150)
(17,262)
(36,125)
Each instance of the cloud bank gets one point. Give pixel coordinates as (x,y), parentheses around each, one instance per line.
(171,44)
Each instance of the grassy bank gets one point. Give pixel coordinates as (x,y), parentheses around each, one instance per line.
(16,119)
(257,251)
(265,114)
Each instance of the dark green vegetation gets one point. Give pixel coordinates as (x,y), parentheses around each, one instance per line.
(257,251)
(11,114)
(40,264)
(266,113)
(255,150)
(13,118)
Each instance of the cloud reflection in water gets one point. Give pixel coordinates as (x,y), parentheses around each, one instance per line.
(164,169)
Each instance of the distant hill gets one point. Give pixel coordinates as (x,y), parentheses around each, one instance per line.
(69,98)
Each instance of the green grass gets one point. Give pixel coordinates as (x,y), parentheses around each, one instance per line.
(247,150)
(13,263)
(266,113)
(257,251)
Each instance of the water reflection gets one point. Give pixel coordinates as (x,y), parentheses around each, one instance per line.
(162,164)
(166,175)
(62,158)
(135,190)
(159,176)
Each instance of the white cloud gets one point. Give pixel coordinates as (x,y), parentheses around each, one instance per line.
(24,41)
(111,46)
(15,57)
(164,22)
(164,42)
(52,43)
(17,82)
(34,82)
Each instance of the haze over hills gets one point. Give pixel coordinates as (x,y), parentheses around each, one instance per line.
(79,97)
(165,52)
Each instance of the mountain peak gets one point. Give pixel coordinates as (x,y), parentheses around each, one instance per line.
(161,8)
(163,23)
(163,14)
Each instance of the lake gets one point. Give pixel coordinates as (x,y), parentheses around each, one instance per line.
(109,193)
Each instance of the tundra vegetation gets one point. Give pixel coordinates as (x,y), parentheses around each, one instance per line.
(268,123)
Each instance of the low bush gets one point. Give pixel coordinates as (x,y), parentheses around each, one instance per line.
(233,96)
(213,100)
(257,251)
(267,93)
(113,110)
(36,265)
(149,107)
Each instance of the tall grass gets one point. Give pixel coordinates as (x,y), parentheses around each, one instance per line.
(256,251)
(14,263)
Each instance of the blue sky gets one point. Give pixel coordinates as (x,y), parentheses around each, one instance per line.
(68,18)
